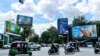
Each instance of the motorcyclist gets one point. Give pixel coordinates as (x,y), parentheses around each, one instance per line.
(69,47)
(54,47)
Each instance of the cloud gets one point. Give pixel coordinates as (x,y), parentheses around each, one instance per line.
(95,9)
(90,6)
(83,6)
(70,13)
(39,28)
(50,8)
(6,16)
(28,8)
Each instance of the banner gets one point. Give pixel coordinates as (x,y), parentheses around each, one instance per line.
(24,20)
(85,31)
(62,26)
(12,28)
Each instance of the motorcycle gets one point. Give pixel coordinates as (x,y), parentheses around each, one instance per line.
(96,50)
(97,47)
(53,51)
(69,50)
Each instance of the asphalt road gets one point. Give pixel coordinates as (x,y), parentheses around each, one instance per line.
(44,52)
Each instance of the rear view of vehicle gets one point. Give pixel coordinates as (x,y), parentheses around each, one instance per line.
(53,50)
(6,46)
(19,48)
(34,46)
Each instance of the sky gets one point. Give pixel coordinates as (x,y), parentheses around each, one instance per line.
(46,12)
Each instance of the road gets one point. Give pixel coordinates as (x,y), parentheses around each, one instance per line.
(44,52)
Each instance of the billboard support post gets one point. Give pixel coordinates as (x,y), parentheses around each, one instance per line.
(67,33)
(67,36)
(26,23)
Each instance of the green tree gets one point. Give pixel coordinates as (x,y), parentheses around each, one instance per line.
(52,33)
(79,20)
(50,36)
(45,37)
(35,38)
(97,23)
(27,33)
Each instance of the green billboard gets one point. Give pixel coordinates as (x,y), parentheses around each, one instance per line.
(12,28)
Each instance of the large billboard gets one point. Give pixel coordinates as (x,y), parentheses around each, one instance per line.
(12,28)
(85,31)
(24,20)
(62,26)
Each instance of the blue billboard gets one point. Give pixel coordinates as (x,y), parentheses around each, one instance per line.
(24,20)
(62,26)
(85,31)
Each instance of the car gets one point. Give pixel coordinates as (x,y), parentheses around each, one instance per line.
(34,46)
(7,46)
(43,45)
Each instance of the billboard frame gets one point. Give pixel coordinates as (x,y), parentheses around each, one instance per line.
(62,25)
(83,37)
(23,25)
(10,31)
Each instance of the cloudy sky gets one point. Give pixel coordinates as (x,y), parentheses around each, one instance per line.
(46,12)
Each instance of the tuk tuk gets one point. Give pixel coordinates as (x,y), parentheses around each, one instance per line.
(19,47)
(97,47)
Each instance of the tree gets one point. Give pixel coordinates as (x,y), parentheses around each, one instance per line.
(52,33)
(49,36)
(27,33)
(45,37)
(97,23)
(79,20)
(35,38)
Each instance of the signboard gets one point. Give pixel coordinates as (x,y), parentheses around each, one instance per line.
(62,26)
(85,31)
(12,28)
(24,20)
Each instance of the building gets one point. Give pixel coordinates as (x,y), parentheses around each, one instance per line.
(1,40)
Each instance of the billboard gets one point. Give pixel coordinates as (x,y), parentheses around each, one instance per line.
(62,26)
(24,20)
(85,31)
(12,28)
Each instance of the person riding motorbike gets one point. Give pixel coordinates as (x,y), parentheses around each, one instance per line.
(69,47)
(53,47)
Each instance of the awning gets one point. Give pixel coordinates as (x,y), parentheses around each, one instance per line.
(12,34)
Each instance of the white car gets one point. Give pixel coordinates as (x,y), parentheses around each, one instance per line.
(34,46)
(6,46)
